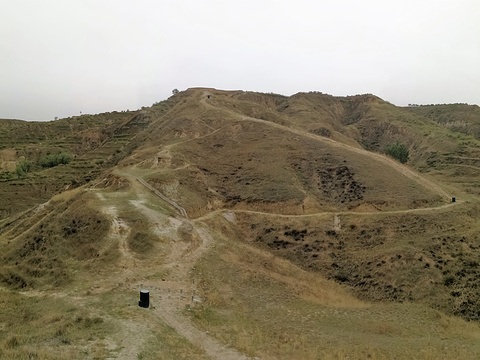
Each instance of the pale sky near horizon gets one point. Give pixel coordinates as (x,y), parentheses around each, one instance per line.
(60,58)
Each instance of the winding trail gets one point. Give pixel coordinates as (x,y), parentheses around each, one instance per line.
(171,295)
(325,213)
(170,305)
(183,212)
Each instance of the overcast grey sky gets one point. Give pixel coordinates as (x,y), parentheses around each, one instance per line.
(61,57)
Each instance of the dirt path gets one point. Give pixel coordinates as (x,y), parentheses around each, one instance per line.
(336,223)
(378,157)
(119,230)
(462,157)
(171,295)
(168,147)
(474,167)
(163,197)
(326,213)
(179,292)
(132,341)
(210,345)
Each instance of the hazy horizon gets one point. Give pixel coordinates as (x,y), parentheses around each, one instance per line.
(63,58)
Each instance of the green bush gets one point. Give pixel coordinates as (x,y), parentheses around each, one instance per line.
(23,167)
(398,151)
(55,159)
(7,175)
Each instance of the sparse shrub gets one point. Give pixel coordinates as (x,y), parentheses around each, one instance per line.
(23,167)
(7,175)
(55,159)
(448,280)
(141,243)
(398,151)
(341,277)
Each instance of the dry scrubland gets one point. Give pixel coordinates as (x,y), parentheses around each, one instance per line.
(302,240)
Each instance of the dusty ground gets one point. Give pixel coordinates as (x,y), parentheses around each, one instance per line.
(258,235)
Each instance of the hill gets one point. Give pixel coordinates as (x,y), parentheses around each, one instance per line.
(264,226)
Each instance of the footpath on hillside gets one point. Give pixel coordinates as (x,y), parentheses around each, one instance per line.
(178,291)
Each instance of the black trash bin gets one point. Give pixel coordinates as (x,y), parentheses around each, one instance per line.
(144,299)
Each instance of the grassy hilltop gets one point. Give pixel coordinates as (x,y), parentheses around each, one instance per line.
(280,230)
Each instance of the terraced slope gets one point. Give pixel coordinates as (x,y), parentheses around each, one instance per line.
(96,143)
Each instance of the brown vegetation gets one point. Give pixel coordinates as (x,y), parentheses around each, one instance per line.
(302,240)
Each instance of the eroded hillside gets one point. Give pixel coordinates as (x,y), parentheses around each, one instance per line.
(264,227)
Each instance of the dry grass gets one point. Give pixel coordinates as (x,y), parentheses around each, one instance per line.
(74,266)
(427,257)
(270,308)
(38,327)
(287,174)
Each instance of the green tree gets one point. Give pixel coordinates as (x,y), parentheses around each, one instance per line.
(23,167)
(64,158)
(398,151)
